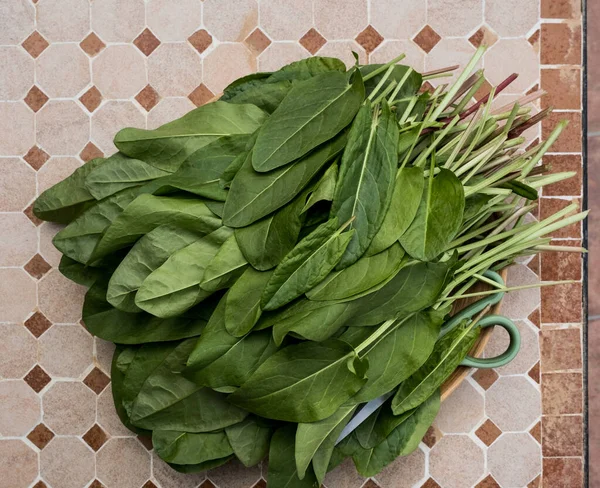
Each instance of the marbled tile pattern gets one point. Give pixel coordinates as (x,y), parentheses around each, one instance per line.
(72,72)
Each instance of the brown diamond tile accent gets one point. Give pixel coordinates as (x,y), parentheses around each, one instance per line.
(37,324)
(95,437)
(430,483)
(96,484)
(369,39)
(36,157)
(426,87)
(201,95)
(534,373)
(260,484)
(487,482)
(201,40)
(148,98)
(534,264)
(37,378)
(370,484)
(534,318)
(40,436)
(35,44)
(534,39)
(96,381)
(312,41)
(30,215)
(40,484)
(207,484)
(427,38)
(89,152)
(488,432)
(431,437)
(257,41)
(92,45)
(149,484)
(536,432)
(146,441)
(146,42)
(485,377)
(35,98)
(37,266)
(91,99)
(484,35)
(536,483)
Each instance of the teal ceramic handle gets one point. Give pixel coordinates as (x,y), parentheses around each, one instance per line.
(508,355)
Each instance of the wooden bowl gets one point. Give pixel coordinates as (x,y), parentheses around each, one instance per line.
(457,377)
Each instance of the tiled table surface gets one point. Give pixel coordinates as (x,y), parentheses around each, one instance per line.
(72,72)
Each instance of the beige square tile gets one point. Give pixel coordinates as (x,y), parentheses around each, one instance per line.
(16,75)
(67,462)
(18,462)
(286,19)
(69,408)
(17,295)
(63,70)
(16,21)
(60,299)
(456,460)
(454,17)
(174,69)
(18,351)
(385,15)
(279,54)
(21,408)
(519,451)
(226,63)
(119,71)
(123,463)
(118,20)
(17,133)
(66,351)
(63,20)
(62,127)
(169,109)
(18,239)
(111,118)
(328,21)
(173,20)
(230,21)
(500,15)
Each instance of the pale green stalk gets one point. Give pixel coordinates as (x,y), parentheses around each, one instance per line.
(384,67)
(381,82)
(545,146)
(439,137)
(400,84)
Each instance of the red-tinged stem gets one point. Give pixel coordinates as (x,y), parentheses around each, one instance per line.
(517,131)
(499,88)
(440,71)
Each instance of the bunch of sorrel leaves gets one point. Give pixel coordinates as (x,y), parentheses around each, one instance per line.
(272,260)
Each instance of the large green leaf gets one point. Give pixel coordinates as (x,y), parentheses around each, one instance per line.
(119,172)
(304,69)
(242,308)
(169,145)
(235,365)
(414,288)
(438,217)
(447,354)
(223,361)
(168,401)
(402,441)
(366,180)
(250,439)
(314,324)
(313,112)
(266,96)
(306,382)
(360,277)
(306,265)
(315,441)
(121,360)
(80,273)
(174,287)
(282,471)
(200,467)
(254,195)
(147,254)
(202,170)
(190,448)
(400,353)
(110,324)
(403,208)
(79,239)
(266,242)
(324,189)
(146,213)
(66,200)
(225,267)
